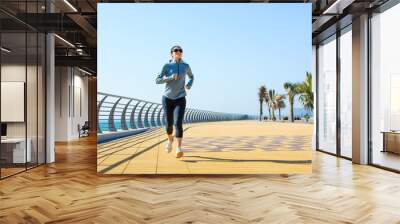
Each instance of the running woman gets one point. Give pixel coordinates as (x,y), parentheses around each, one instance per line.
(174,101)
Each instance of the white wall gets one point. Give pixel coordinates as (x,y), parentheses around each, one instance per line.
(12,73)
(33,127)
(61,103)
(80,111)
(71,102)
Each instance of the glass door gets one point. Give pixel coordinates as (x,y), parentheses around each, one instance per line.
(327,95)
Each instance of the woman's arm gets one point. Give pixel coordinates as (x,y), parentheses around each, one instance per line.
(161,78)
(191,78)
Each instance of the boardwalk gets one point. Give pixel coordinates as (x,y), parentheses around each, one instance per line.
(231,147)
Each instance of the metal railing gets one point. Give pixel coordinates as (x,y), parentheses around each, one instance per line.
(117,113)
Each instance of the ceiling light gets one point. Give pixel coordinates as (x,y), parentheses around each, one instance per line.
(70,5)
(5,50)
(84,71)
(80,51)
(64,40)
(338,6)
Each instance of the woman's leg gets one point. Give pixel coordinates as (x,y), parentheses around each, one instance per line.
(179,115)
(169,117)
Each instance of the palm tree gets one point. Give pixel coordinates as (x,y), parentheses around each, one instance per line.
(306,93)
(292,90)
(262,93)
(272,102)
(280,103)
(267,102)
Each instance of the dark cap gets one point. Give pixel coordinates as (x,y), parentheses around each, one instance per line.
(176,47)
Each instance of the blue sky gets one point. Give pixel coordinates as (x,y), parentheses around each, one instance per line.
(231,48)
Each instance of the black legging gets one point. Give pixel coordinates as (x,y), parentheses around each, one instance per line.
(174,108)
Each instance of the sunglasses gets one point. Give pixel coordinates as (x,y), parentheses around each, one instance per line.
(177,50)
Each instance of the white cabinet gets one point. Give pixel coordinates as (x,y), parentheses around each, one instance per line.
(17,147)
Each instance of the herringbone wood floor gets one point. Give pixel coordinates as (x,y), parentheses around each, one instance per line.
(70,191)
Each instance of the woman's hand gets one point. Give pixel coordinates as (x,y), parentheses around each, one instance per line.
(175,76)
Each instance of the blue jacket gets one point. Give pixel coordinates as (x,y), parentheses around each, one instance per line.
(175,89)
